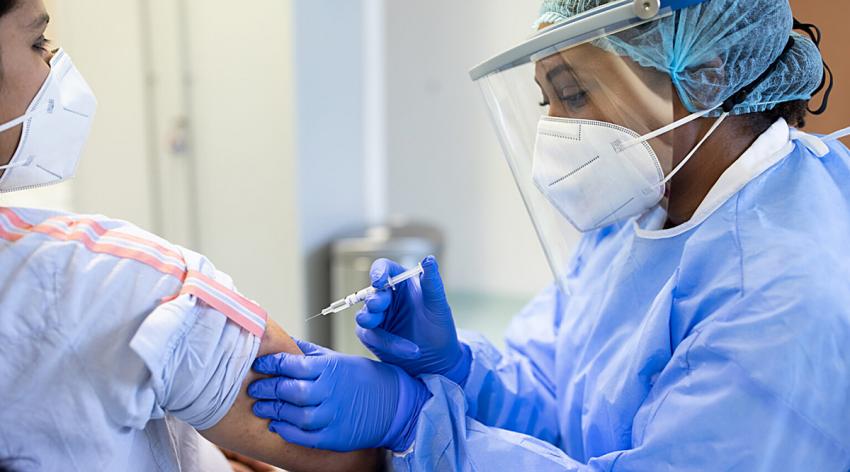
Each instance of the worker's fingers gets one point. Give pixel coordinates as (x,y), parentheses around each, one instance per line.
(292,434)
(291,365)
(380,301)
(369,319)
(382,343)
(433,291)
(310,349)
(297,392)
(308,418)
(374,312)
(382,270)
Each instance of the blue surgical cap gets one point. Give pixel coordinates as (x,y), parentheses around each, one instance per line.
(714,49)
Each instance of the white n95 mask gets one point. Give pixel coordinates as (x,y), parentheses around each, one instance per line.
(596,173)
(56,125)
(580,170)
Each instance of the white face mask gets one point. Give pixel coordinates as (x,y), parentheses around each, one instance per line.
(596,173)
(55,127)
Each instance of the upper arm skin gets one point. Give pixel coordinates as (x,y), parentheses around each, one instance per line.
(247,434)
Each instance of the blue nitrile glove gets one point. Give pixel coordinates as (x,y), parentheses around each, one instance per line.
(337,402)
(412,326)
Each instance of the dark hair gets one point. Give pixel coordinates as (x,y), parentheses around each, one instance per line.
(794,113)
(7,5)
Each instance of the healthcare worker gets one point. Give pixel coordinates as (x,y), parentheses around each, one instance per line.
(703,323)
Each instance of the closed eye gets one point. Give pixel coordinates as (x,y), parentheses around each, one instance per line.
(41,44)
(576,100)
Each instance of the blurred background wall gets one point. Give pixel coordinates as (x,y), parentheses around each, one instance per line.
(258,133)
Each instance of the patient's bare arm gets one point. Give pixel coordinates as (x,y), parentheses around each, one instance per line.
(243,432)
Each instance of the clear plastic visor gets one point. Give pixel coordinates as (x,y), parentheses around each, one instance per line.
(581,82)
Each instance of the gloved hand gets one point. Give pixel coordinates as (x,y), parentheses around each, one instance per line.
(412,326)
(337,402)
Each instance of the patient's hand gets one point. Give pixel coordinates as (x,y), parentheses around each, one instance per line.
(242,463)
(244,433)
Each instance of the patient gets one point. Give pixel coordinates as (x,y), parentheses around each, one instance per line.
(116,346)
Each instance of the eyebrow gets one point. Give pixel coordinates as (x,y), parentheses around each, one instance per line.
(558,70)
(40,22)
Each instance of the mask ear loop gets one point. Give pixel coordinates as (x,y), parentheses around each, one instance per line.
(660,131)
(671,127)
(728,105)
(717,123)
(6,127)
(26,163)
(11,124)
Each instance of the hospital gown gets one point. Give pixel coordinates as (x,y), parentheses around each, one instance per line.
(722,344)
(114,345)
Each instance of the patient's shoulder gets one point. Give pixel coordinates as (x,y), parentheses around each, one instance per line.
(102,266)
(92,245)
(49,233)
(68,269)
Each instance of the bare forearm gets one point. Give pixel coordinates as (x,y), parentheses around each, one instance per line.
(243,432)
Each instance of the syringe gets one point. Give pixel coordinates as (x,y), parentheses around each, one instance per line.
(362,295)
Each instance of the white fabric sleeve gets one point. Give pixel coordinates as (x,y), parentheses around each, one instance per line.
(197,359)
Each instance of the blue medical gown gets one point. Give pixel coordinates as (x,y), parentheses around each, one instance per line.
(726,347)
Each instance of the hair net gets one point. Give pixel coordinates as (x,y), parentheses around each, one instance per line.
(714,49)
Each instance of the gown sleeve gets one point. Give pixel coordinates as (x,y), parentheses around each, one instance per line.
(756,386)
(516,391)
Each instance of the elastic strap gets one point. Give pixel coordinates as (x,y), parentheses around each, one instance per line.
(741,95)
(836,135)
(693,152)
(11,124)
(676,124)
(810,29)
(664,130)
(12,165)
(815,34)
